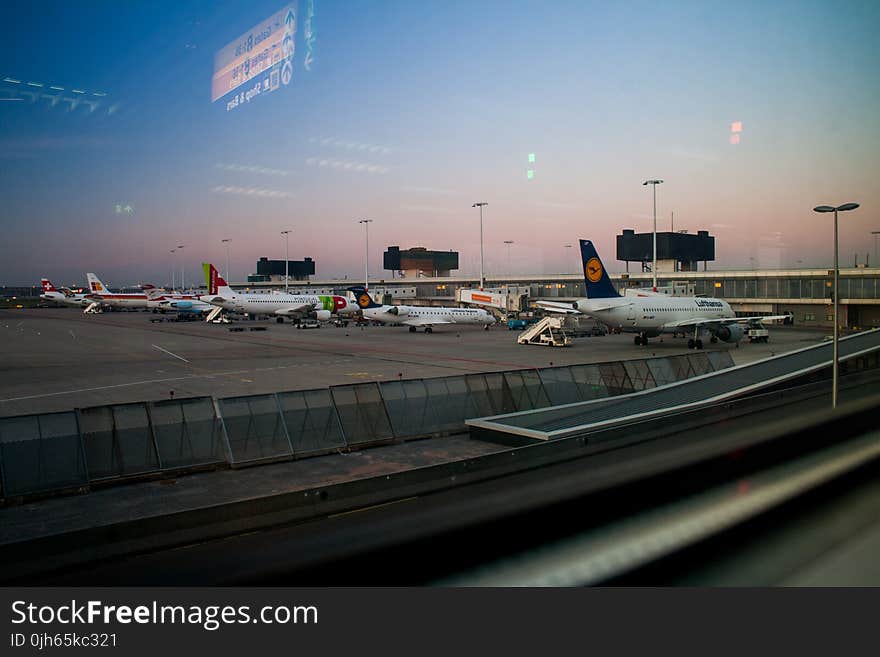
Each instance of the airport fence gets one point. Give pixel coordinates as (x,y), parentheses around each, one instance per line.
(75,450)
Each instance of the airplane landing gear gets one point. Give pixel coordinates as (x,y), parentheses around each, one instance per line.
(713,340)
(641,339)
(428,329)
(412,329)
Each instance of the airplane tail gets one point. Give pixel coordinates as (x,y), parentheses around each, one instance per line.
(153,293)
(214,281)
(95,284)
(47,286)
(598,282)
(363,298)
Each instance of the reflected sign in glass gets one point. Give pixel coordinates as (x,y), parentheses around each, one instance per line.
(259,61)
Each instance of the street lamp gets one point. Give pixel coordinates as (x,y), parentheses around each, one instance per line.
(286,259)
(182,265)
(366,223)
(654,183)
(173,251)
(840,208)
(508,243)
(226,242)
(481,204)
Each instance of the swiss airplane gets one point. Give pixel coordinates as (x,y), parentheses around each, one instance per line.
(65,296)
(419,316)
(650,315)
(318,306)
(99,294)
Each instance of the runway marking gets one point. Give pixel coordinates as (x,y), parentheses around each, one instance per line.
(155,346)
(149,381)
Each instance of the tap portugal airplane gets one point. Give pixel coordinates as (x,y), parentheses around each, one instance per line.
(650,315)
(317,306)
(419,316)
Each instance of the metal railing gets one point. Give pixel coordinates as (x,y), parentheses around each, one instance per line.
(74,450)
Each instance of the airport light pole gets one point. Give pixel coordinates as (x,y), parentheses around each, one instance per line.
(508,243)
(840,208)
(182,265)
(566,246)
(286,259)
(876,234)
(654,184)
(366,223)
(481,204)
(226,242)
(173,251)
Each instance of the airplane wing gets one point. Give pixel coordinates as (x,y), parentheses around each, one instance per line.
(293,310)
(418,321)
(555,307)
(697,321)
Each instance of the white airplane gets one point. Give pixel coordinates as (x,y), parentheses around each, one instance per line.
(316,306)
(158,300)
(64,295)
(419,316)
(652,314)
(99,294)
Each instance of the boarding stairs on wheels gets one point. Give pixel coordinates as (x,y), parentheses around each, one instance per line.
(214,314)
(548,332)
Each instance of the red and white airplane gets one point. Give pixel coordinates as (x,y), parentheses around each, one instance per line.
(99,294)
(64,295)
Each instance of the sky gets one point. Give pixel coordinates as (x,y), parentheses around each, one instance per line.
(412,111)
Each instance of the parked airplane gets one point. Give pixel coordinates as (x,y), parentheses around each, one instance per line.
(416,316)
(99,294)
(315,306)
(158,300)
(650,315)
(64,295)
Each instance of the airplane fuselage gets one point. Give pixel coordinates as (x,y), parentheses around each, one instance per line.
(649,315)
(282,304)
(426,316)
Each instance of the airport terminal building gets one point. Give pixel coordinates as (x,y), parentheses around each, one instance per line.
(806,293)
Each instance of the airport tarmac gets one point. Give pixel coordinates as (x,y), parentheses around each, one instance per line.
(55,359)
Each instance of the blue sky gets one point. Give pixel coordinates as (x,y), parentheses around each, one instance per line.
(414,110)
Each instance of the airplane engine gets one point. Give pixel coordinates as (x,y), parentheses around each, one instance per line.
(397,310)
(729,333)
(322,315)
(183,305)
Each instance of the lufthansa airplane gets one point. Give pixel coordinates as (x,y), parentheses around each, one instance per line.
(419,316)
(650,315)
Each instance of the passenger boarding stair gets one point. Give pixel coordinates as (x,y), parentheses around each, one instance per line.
(94,307)
(214,314)
(548,332)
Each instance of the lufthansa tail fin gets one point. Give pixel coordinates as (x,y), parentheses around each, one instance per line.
(597,281)
(363,298)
